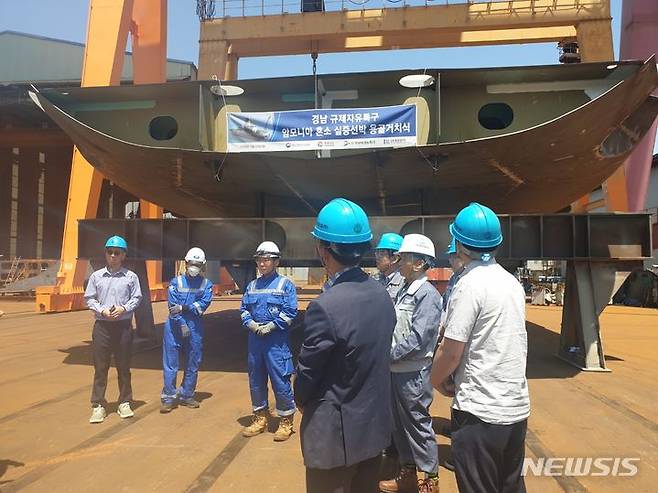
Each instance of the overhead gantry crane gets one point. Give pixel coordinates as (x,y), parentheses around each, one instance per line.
(434,24)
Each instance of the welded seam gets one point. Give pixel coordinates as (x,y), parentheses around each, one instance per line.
(507,172)
(297,193)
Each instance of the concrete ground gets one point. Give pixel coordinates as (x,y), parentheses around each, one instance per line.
(47,444)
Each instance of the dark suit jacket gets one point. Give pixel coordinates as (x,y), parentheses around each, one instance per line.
(343,374)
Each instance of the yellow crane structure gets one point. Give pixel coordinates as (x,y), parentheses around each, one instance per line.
(110,22)
(227,39)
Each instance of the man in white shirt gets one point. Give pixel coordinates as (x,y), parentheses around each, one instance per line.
(485,346)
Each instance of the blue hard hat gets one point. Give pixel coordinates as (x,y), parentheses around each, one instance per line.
(116,242)
(477,226)
(452,248)
(342,221)
(389,241)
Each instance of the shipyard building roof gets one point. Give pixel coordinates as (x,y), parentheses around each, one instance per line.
(26,57)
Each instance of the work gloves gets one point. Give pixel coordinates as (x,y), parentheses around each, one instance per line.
(261,329)
(264,329)
(176,309)
(253,326)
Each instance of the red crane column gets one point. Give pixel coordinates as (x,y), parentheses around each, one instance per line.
(639,39)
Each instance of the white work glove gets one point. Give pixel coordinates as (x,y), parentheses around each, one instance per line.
(253,326)
(175,309)
(265,329)
(185,330)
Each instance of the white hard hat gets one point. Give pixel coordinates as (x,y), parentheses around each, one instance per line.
(415,243)
(195,254)
(267,249)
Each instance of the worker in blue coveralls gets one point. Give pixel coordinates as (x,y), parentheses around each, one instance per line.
(269,306)
(189,297)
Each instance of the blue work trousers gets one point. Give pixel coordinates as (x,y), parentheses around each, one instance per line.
(412,395)
(173,345)
(270,356)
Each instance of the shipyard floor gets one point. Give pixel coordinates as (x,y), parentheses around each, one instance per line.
(46,443)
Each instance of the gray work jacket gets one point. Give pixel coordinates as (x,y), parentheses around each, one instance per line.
(418,310)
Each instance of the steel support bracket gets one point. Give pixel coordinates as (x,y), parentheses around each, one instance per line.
(589,288)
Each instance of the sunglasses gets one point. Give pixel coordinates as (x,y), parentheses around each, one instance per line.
(113,253)
(264,259)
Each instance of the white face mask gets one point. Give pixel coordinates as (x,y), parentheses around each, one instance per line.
(193,270)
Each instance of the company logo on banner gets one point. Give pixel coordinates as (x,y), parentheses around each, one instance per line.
(299,130)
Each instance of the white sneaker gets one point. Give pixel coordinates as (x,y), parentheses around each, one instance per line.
(124,410)
(97,414)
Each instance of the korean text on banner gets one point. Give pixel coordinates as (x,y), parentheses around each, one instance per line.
(299,130)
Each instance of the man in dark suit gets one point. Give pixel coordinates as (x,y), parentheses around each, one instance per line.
(343,375)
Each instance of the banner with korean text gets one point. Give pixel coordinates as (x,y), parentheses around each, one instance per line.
(338,128)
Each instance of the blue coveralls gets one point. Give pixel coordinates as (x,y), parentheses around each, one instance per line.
(270,298)
(195,295)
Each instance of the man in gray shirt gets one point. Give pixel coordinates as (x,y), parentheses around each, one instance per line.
(112,293)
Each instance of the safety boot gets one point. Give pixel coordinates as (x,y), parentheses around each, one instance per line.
(284,430)
(405,482)
(167,407)
(258,424)
(428,485)
(188,402)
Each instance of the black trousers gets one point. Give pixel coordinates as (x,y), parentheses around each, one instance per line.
(362,477)
(488,458)
(111,338)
